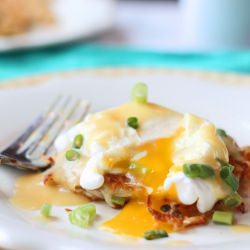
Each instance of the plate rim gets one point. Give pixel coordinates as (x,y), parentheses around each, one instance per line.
(37,79)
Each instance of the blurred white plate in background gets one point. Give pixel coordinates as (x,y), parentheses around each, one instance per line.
(75,19)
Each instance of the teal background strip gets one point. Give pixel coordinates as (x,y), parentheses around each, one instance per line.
(76,56)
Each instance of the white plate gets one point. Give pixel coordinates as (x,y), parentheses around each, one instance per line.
(74,19)
(223,99)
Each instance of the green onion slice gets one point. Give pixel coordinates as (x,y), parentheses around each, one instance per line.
(46,210)
(133,122)
(232,200)
(221,132)
(225,164)
(155,234)
(82,216)
(139,93)
(120,201)
(228,177)
(222,217)
(198,170)
(78,141)
(72,155)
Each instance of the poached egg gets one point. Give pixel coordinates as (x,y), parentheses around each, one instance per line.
(164,141)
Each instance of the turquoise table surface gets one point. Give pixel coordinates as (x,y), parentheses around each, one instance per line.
(76,56)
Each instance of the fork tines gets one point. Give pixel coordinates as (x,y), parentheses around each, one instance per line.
(39,137)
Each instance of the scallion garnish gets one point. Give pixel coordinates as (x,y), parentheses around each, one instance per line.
(222,217)
(155,234)
(227,176)
(225,164)
(139,93)
(221,132)
(72,155)
(120,201)
(133,122)
(198,170)
(82,216)
(46,210)
(78,140)
(232,200)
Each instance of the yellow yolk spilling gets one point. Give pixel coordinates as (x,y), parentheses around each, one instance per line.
(135,219)
(158,161)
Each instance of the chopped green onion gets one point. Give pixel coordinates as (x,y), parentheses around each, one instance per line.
(228,177)
(78,141)
(198,170)
(82,216)
(139,93)
(232,200)
(133,122)
(45,210)
(221,132)
(225,164)
(223,217)
(72,155)
(120,201)
(155,234)
(139,169)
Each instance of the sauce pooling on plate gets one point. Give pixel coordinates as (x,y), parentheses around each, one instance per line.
(241,229)
(31,193)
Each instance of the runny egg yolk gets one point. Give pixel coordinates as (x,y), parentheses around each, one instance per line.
(157,162)
(134,219)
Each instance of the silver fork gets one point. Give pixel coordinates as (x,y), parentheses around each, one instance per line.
(32,150)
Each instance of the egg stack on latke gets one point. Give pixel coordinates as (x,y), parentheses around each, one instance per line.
(166,170)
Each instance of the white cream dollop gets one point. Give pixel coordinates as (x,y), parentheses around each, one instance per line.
(205,192)
(198,144)
(120,147)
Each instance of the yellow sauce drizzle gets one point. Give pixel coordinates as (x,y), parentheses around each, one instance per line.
(31,193)
(241,229)
(179,243)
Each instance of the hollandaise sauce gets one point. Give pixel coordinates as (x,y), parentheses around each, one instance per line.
(31,193)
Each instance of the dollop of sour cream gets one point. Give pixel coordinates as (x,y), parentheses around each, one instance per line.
(199,143)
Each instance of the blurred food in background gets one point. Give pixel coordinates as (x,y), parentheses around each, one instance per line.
(38,23)
(18,16)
